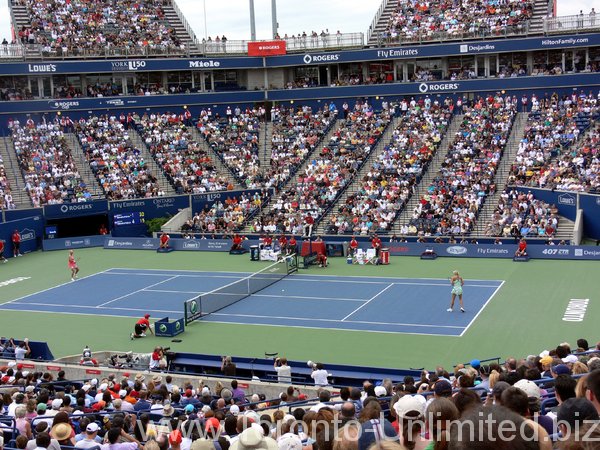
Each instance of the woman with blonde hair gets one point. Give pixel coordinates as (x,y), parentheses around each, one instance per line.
(457,283)
(22,423)
(579,368)
(581,387)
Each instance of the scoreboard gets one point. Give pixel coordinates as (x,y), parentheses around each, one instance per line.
(132,218)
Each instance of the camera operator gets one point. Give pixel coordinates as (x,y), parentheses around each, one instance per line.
(227,366)
(158,360)
(319,374)
(284,372)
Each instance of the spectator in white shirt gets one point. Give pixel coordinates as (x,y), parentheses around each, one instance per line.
(284,372)
(319,374)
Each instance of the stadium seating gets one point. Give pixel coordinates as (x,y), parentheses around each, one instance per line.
(185,163)
(118,165)
(327,174)
(520,214)
(78,28)
(551,153)
(51,176)
(392,177)
(426,21)
(6,200)
(235,140)
(456,195)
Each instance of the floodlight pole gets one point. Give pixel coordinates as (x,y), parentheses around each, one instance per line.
(275,25)
(252,22)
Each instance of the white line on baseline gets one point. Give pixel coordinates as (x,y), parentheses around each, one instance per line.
(170,272)
(337,321)
(311,298)
(53,287)
(333,329)
(390,278)
(88,307)
(174,292)
(135,292)
(368,301)
(178,270)
(482,308)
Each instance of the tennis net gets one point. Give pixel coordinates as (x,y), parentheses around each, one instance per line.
(238,290)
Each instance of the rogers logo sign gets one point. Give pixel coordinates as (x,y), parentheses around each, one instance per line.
(269,47)
(320,58)
(424,87)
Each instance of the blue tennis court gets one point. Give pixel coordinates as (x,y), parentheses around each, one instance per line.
(388,305)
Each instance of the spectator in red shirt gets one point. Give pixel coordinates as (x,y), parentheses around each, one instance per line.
(353,246)
(309,221)
(164,240)
(16,240)
(2,245)
(237,242)
(292,245)
(283,242)
(267,241)
(140,328)
(522,250)
(376,244)
(103,231)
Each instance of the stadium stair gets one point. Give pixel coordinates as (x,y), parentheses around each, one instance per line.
(14,176)
(382,21)
(354,185)
(540,11)
(502,174)
(138,142)
(294,180)
(83,166)
(179,24)
(265,136)
(222,169)
(429,175)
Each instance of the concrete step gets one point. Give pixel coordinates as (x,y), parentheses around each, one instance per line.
(83,166)
(163,182)
(222,169)
(354,185)
(14,175)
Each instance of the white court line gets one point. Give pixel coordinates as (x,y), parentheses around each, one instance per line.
(92,307)
(335,320)
(168,273)
(175,292)
(178,270)
(368,301)
(135,292)
(311,298)
(53,287)
(481,309)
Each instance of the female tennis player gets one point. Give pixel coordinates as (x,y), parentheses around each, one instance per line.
(457,283)
(73,265)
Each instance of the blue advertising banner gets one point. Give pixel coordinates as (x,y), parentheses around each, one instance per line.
(495,251)
(591,214)
(30,229)
(151,207)
(204,245)
(67,210)
(436,50)
(15,214)
(130,65)
(74,242)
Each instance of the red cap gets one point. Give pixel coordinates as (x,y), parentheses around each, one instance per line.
(188,393)
(212,424)
(175,437)
(146,316)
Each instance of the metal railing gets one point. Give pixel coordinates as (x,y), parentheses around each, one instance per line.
(425,37)
(375,21)
(578,23)
(293,44)
(12,51)
(37,52)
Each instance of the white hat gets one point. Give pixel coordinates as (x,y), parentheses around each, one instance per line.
(30,389)
(570,359)
(86,387)
(253,438)
(529,387)
(544,354)
(92,427)
(234,409)
(103,387)
(289,441)
(205,390)
(12,364)
(94,381)
(410,403)
(380,391)
(56,403)
(122,393)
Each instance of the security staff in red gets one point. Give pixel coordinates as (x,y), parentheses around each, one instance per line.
(376,244)
(16,241)
(237,242)
(353,246)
